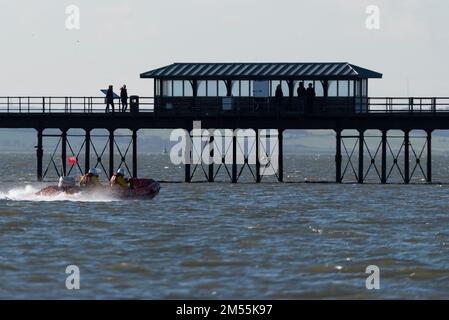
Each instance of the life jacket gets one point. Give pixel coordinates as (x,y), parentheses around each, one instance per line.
(89,180)
(118,180)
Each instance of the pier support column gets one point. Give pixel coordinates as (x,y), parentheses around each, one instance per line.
(39,155)
(87,151)
(187,175)
(406,157)
(134,153)
(338,157)
(258,179)
(210,176)
(281,156)
(234,159)
(361,153)
(384,157)
(111,153)
(64,151)
(429,156)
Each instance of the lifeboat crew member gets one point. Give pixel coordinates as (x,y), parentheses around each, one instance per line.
(66,184)
(91,179)
(119,180)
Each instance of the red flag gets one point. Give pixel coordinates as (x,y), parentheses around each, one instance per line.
(72,161)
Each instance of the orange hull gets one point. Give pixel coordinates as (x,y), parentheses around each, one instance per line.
(140,189)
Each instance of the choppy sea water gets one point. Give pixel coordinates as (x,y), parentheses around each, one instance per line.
(213,241)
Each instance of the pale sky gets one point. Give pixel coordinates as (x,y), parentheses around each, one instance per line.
(120,39)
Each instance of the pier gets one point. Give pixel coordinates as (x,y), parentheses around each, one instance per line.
(242,96)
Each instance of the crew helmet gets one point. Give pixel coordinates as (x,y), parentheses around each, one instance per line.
(94,171)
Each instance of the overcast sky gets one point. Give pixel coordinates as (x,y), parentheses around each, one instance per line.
(120,39)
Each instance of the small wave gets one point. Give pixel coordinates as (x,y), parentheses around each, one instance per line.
(190,263)
(28,193)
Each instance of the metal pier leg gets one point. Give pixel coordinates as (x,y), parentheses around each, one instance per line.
(87,152)
(338,158)
(258,179)
(281,156)
(406,157)
(40,155)
(429,156)
(134,153)
(187,165)
(111,153)
(384,156)
(64,152)
(361,152)
(188,178)
(234,159)
(211,164)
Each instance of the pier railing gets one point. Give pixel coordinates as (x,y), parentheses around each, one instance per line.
(67,105)
(407,104)
(47,105)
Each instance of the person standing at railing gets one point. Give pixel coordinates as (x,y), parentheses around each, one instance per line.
(279,96)
(301,96)
(310,96)
(124,98)
(110,99)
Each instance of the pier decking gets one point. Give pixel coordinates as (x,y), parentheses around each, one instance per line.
(390,113)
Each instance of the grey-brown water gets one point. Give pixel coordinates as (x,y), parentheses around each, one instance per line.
(294,240)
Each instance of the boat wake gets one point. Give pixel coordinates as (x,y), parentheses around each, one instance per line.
(28,193)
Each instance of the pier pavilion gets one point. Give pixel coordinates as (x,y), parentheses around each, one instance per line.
(242,96)
(250,88)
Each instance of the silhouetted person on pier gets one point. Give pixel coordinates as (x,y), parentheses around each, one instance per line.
(124,98)
(279,96)
(301,95)
(110,99)
(310,98)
